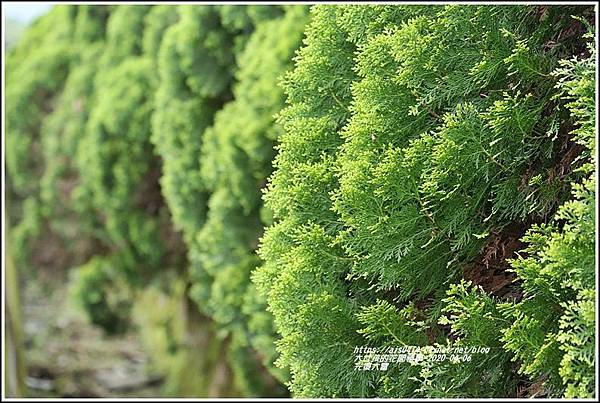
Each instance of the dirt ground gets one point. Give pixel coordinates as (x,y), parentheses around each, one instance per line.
(67,357)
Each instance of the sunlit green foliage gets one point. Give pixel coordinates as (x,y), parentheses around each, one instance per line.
(475,318)
(212,173)
(114,189)
(35,79)
(553,327)
(412,139)
(236,154)
(549,333)
(333,173)
(121,97)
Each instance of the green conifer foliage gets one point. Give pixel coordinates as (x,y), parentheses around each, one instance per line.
(552,331)
(115,181)
(157,21)
(34,82)
(65,126)
(184,106)
(112,78)
(96,166)
(341,176)
(38,70)
(405,152)
(119,130)
(549,333)
(213,172)
(236,155)
(317,91)
(475,319)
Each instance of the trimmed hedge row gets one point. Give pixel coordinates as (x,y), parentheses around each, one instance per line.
(428,176)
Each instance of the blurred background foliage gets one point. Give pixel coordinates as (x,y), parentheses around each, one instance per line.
(140,137)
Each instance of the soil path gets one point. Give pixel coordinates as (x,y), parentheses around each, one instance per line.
(67,357)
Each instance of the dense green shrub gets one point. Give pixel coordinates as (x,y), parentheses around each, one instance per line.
(50,75)
(549,332)
(236,154)
(552,333)
(425,137)
(215,162)
(428,179)
(88,139)
(115,183)
(100,287)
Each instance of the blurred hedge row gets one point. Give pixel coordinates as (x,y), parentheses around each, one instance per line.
(433,185)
